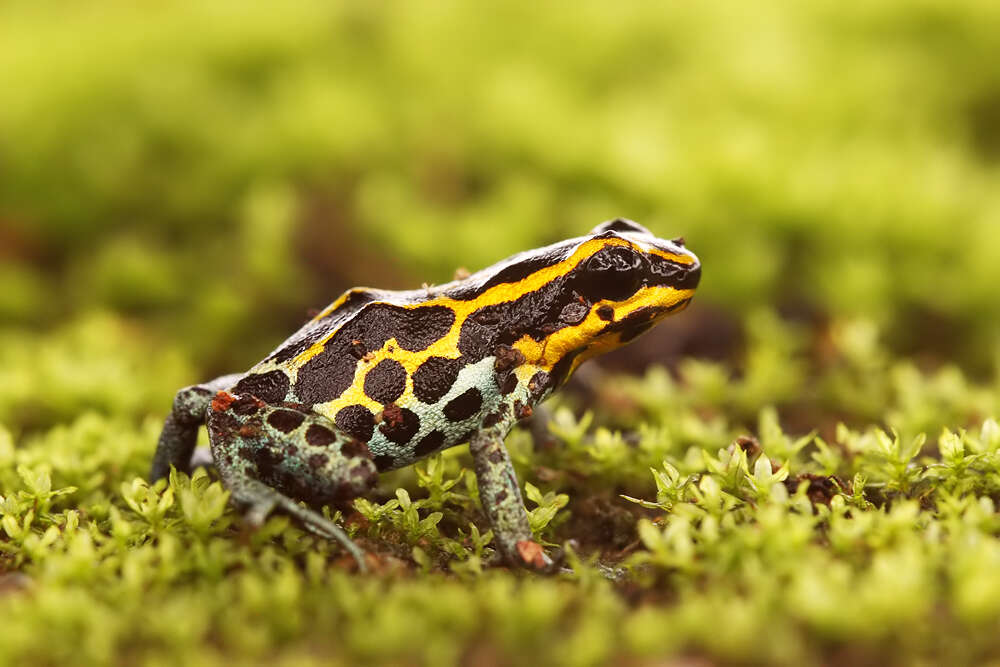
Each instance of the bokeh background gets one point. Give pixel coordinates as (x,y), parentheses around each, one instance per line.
(204,173)
(182,182)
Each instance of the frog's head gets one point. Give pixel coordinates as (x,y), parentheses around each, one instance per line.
(624,281)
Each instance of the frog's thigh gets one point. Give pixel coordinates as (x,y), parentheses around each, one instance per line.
(180,430)
(296,452)
(500,493)
(271,456)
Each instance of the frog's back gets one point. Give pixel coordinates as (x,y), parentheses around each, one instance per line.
(412,372)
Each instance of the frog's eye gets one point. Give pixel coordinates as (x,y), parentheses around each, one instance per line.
(611,273)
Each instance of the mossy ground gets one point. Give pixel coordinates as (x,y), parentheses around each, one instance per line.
(803,468)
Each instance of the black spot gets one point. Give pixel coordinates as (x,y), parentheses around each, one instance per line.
(477,339)
(464,405)
(496,416)
(506,382)
(386,382)
(327,375)
(574,312)
(399,425)
(356,420)
(522,410)
(222,424)
(537,385)
(319,436)
(429,443)
(318,461)
(285,421)
(247,405)
(606,312)
(434,378)
(269,387)
(507,357)
(355,448)
(383,462)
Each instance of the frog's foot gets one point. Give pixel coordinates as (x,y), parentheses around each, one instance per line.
(271,456)
(260,500)
(180,430)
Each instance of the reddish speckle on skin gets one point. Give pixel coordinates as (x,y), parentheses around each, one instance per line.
(392,415)
(531,552)
(522,411)
(222,401)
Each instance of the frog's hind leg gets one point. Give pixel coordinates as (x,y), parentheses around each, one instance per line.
(272,456)
(180,430)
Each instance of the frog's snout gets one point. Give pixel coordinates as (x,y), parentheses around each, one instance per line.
(693,272)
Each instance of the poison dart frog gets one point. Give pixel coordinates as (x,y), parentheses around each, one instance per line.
(380,379)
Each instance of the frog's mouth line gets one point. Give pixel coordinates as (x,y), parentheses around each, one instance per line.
(641,320)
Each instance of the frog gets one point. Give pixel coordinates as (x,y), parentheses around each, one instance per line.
(381,379)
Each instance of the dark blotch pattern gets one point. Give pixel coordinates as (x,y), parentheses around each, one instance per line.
(506,382)
(327,375)
(285,421)
(507,357)
(464,405)
(355,449)
(269,387)
(434,378)
(319,436)
(495,417)
(383,462)
(429,443)
(356,420)
(247,405)
(386,382)
(537,385)
(399,425)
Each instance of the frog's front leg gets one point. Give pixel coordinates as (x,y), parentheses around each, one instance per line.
(272,456)
(500,495)
(180,430)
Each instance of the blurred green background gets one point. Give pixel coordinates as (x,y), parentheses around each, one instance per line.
(181,182)
(204,173)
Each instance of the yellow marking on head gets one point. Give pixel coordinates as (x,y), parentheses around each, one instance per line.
(548,351)
(680,259)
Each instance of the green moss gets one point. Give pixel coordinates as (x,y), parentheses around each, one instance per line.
(799,549)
